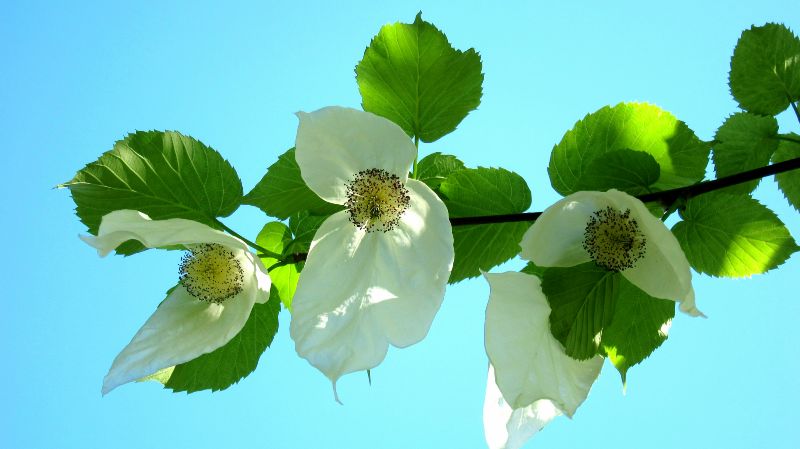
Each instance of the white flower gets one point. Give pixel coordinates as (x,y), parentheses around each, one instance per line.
(219,283)
(531,379)
(618,232)
(376,272)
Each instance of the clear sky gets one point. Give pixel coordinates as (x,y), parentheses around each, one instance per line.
(76,77)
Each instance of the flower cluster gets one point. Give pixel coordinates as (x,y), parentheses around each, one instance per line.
(376,272)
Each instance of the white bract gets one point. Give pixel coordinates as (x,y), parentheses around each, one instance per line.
(531,379)
(618,232)
(220,280)
(508,428)
(376,272)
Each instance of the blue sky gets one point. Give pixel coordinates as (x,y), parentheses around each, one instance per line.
(78,76)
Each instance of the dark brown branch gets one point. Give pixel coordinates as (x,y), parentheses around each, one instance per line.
(666,197)
(489,219)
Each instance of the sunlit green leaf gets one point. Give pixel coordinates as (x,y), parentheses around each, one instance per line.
(304,226)
(225,366)
(681,156)
(160,376)
(639,326)
(276,237)
(435,167)
(599,311)
(484,191)
(582,299)
(282,191)
(789,182)
(411,75)
(732,236)
(626,170)
(765,69)
(744,142)
(163,174)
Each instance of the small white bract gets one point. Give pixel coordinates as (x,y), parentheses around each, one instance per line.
(531,379)
(219,281)
(617,232)
(376,272)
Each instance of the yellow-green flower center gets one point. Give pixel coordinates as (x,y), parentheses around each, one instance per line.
(613,239)
(211,273)
(376,199)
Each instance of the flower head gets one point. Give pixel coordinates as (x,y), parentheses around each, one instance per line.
(219,281)
(376,272)
(531,379)
(617,232)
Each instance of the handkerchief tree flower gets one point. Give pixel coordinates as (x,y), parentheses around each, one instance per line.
(220,281)
(376,272)
(618,233)
(533,379)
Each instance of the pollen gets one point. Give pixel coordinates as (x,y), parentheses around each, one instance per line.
(211,273)
(376,200)
(613,239)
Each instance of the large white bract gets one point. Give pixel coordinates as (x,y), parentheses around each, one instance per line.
(641,246)
(531,379)
(376,272)
(220,281)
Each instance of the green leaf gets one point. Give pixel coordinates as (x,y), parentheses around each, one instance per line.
(789,182)
(163,174)
(533,269)
(732,236)
(225,366)
(629,126)
(160,376)
(481,247)
(282,191)
(639,326)
(276,237)
(484,191)
(656,209)
(582,299)
(411,75)
(744,142)
(627,170)
(303,226)
(765,69)
(288,241)
(595,310)
(435,167)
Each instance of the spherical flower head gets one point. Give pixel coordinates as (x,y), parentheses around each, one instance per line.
(219,281)
(618,233)
(376,200)
(376,272)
